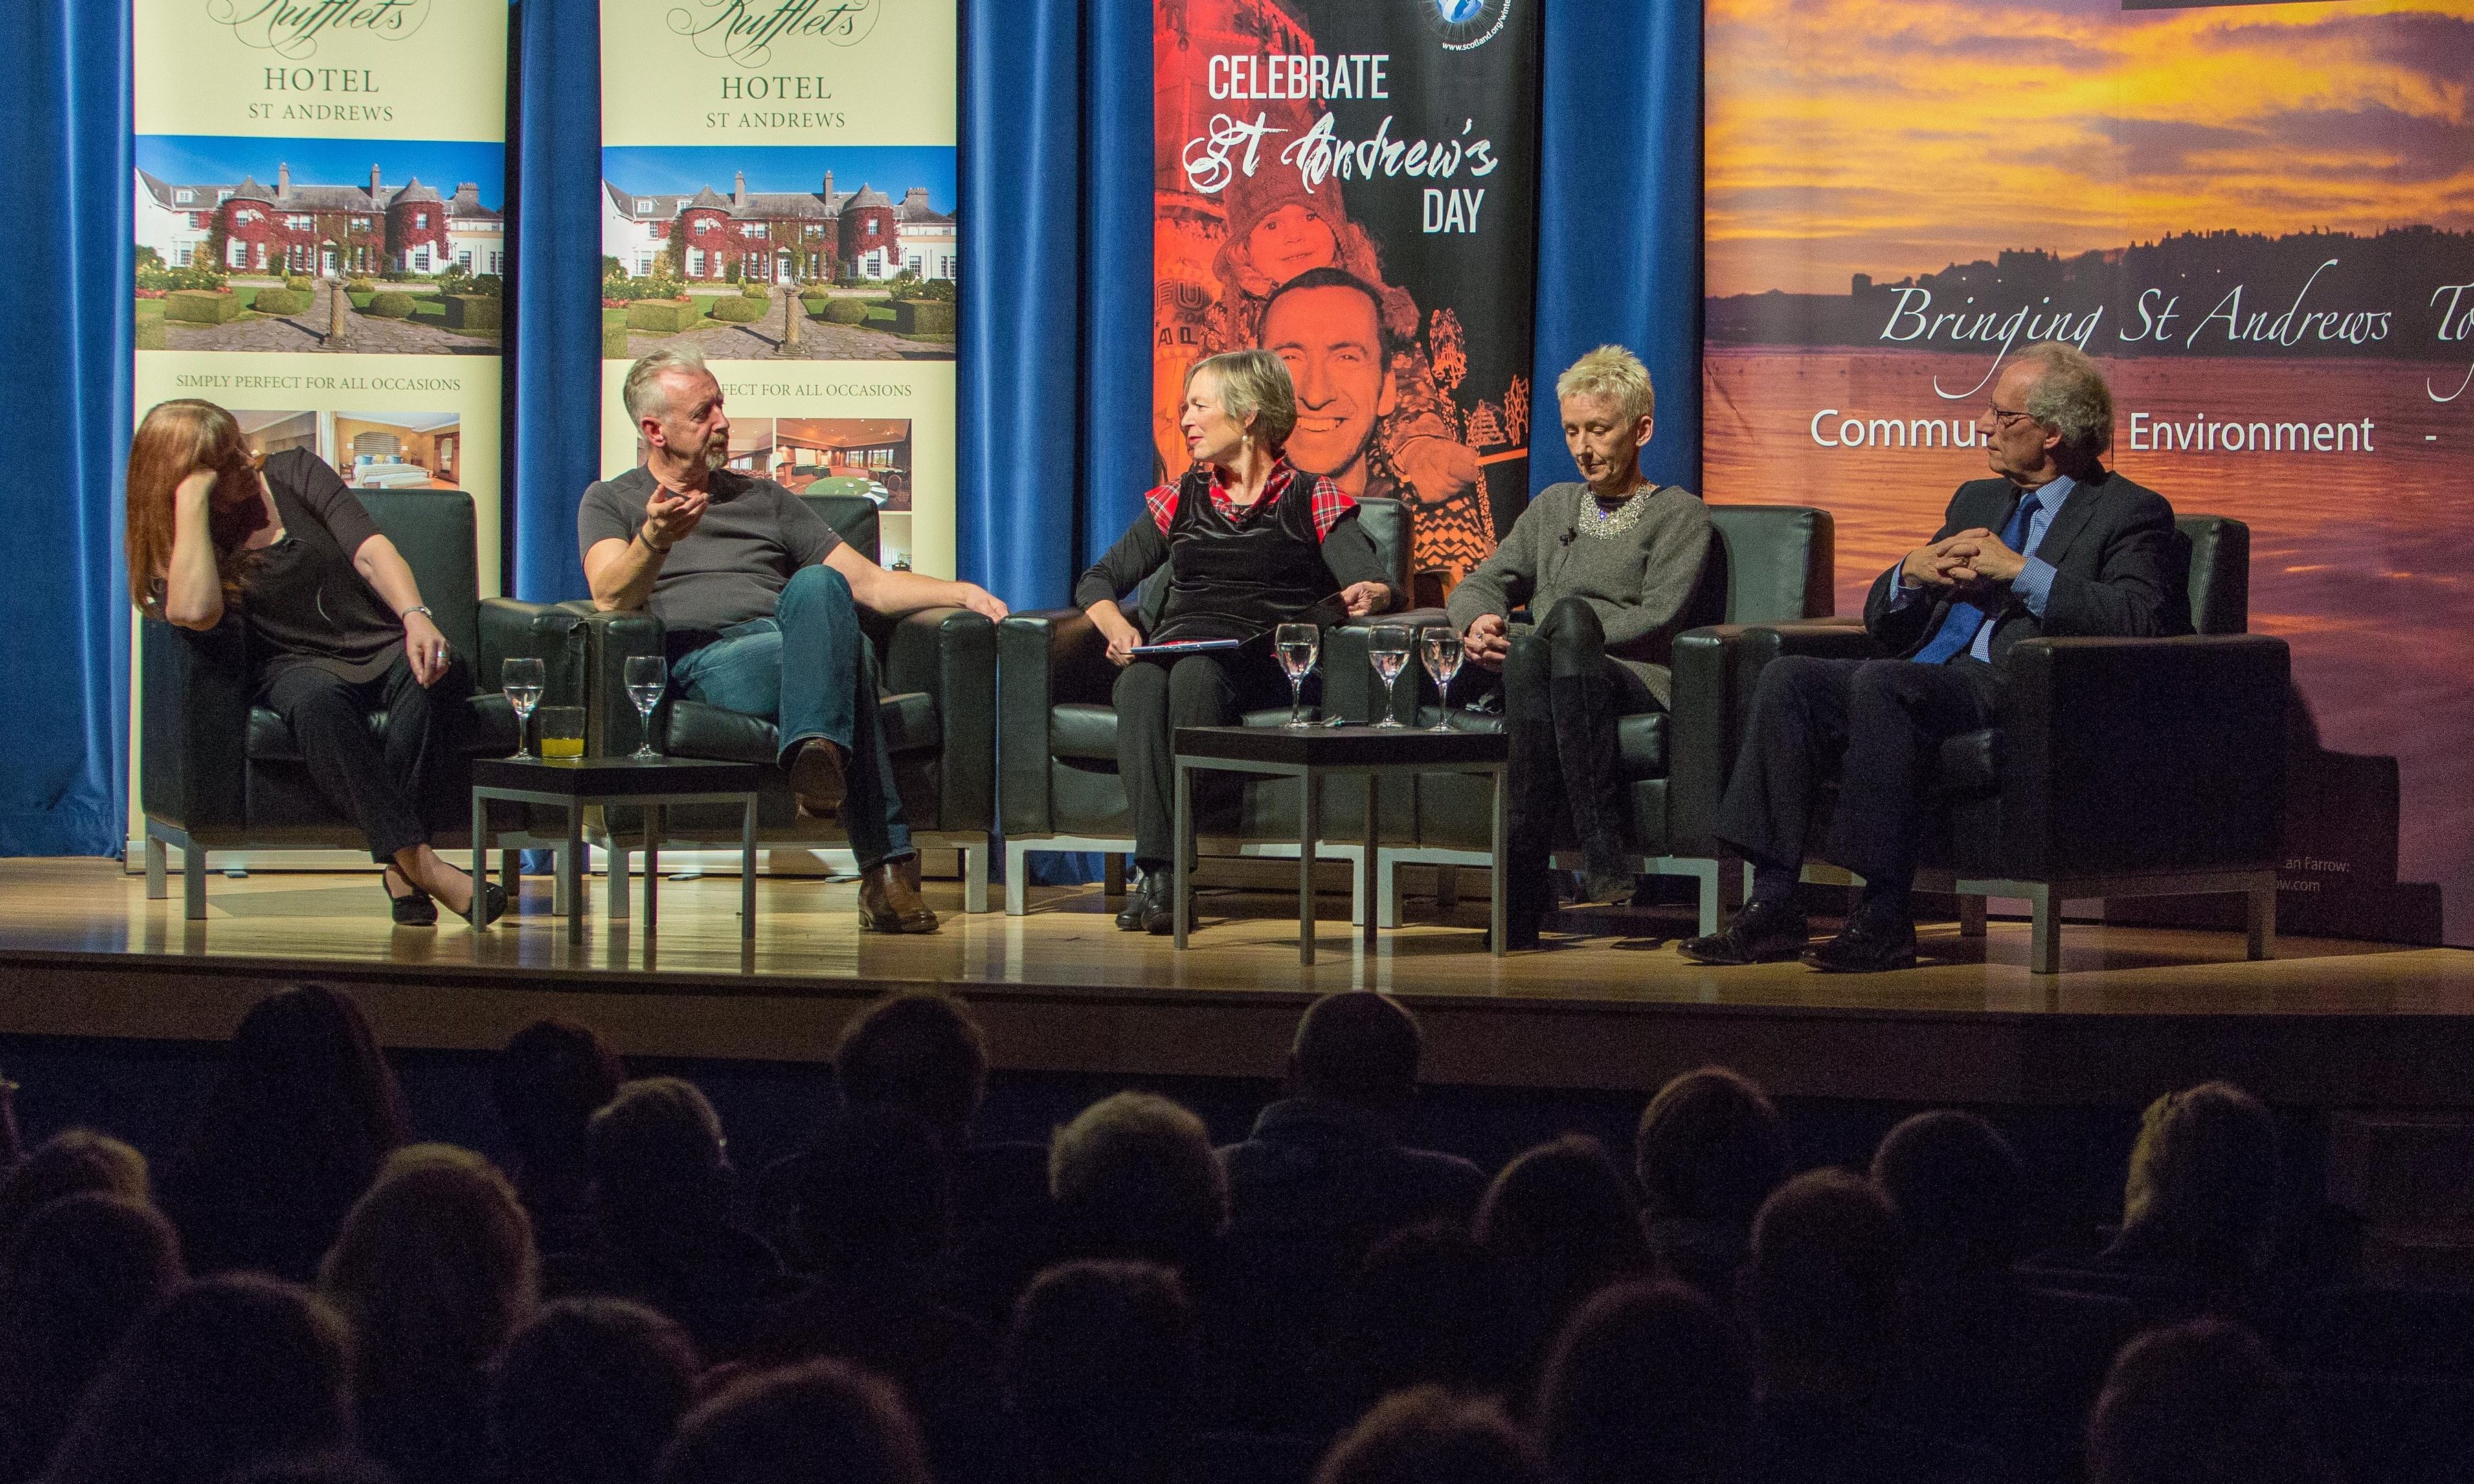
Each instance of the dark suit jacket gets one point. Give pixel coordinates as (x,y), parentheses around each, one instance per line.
(2120,568)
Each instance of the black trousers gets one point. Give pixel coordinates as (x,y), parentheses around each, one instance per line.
(1154,698)
(386,786)
(1561,698)
(1876,725)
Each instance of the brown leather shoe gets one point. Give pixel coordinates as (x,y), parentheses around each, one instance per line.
(816,778)
(889,899)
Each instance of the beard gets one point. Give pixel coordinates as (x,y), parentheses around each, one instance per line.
(716,454)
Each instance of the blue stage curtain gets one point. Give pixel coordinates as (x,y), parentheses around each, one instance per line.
(1054,395)
(1619,216)
(65,211)
(553,444)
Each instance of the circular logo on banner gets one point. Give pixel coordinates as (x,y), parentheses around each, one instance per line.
(1461,25)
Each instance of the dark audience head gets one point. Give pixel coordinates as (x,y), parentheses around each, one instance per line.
(2202,1187)
(1712,1147)
(434,1269)
(823,1419)
(225,1372)
(315,1469)
(548,1084)
(918,1050)
(588,1392)
(1822,1285)
(1103,1371)
(658,1158)
(1562,1219)
(306,1112)
(1428,1307)
(1648,1382)
(1959,1191)
(873,1192)
(1428,1435)
(69,1162)
(2200,1404)
(1136,1176)
(78,1275)
(1357,1047)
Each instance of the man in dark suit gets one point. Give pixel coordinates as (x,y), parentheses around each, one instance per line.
(2106,560)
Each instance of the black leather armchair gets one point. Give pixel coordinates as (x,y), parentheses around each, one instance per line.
(939,685)
(2127,767)
(1768,562)
(218,772)
(1058,763)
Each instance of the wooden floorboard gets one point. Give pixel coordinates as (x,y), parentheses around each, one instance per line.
(84,953)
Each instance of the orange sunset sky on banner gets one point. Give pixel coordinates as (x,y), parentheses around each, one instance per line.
(1897,136)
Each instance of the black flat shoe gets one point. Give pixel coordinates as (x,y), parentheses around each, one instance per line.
(1762,933)
(1151,903)
(492,899)
(414,909)
(1866,947)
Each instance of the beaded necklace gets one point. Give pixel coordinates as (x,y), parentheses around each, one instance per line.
(1597,519)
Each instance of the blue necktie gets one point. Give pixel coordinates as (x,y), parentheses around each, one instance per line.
(1959,626)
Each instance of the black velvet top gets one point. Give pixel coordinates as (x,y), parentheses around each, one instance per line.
(306,604)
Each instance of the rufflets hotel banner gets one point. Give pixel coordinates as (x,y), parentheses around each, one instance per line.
(778,191)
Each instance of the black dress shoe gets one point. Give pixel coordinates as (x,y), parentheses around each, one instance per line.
(1867,945)
(1762,933)
(1148,903)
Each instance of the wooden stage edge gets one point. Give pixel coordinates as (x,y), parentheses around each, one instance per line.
(1613,1006)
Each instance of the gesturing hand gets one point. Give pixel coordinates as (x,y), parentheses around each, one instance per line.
(1487,641)
(671,517)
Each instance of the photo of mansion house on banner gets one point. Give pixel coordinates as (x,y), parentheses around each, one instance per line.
(319,230)
(777,236)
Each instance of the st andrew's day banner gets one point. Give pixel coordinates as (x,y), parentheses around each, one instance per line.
(778,191)
(1352,184)
(2259,218)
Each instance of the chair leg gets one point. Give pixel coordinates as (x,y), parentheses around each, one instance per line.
(158,886)
(1112,875)
(2263,922)
(1017,877)
(193,883)
(1971,916)
(975,878)
(2044,932)
(618,857)
(1386,889)
(1707,877)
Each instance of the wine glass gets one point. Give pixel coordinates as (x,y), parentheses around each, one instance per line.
(1296,643)
(522,680)
(647,675)
(1441,650)
(1389,648)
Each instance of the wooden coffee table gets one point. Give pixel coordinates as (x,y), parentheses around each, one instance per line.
(573,783)
(1311,754)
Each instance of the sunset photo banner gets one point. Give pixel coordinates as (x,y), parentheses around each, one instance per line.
(2259,218)
(778,191)
(1393,142)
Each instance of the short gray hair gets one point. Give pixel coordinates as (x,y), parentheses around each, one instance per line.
(1255,384)
(642,391)
(2070,397)
(1143,1163)
(1612,370)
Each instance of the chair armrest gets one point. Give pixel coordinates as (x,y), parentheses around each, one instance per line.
(1043,657)
(2141,754)
(1715,669)
(513,629)
(193,726)
(611,725)
(951,654)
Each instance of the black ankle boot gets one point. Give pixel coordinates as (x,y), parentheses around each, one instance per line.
(1584,747)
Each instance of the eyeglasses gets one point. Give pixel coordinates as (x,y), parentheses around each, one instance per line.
(2002,417)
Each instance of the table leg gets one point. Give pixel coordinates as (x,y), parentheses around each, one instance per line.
(1180,882)
(653,863)
(747,872)
(1309,834)
(571,870)
(1497,920)
(480,851)
(1373,907)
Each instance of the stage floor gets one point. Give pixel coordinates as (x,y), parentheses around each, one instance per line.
(82,951)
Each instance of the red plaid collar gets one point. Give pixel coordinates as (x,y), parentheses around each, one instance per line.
(1331,500)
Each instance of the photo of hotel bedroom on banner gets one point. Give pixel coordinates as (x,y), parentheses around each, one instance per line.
(1352,187)
(2396,296)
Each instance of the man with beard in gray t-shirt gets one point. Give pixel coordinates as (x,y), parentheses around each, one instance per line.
(761,601)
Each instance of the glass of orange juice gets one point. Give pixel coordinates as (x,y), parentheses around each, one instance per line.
(561,731)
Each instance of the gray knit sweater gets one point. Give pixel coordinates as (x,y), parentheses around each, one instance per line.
(1639,580)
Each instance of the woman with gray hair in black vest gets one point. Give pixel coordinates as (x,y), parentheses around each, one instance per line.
(1250,543)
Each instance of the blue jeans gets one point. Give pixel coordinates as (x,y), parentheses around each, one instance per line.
(811,670)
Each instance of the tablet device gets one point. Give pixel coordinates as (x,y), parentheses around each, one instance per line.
(1190,646)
